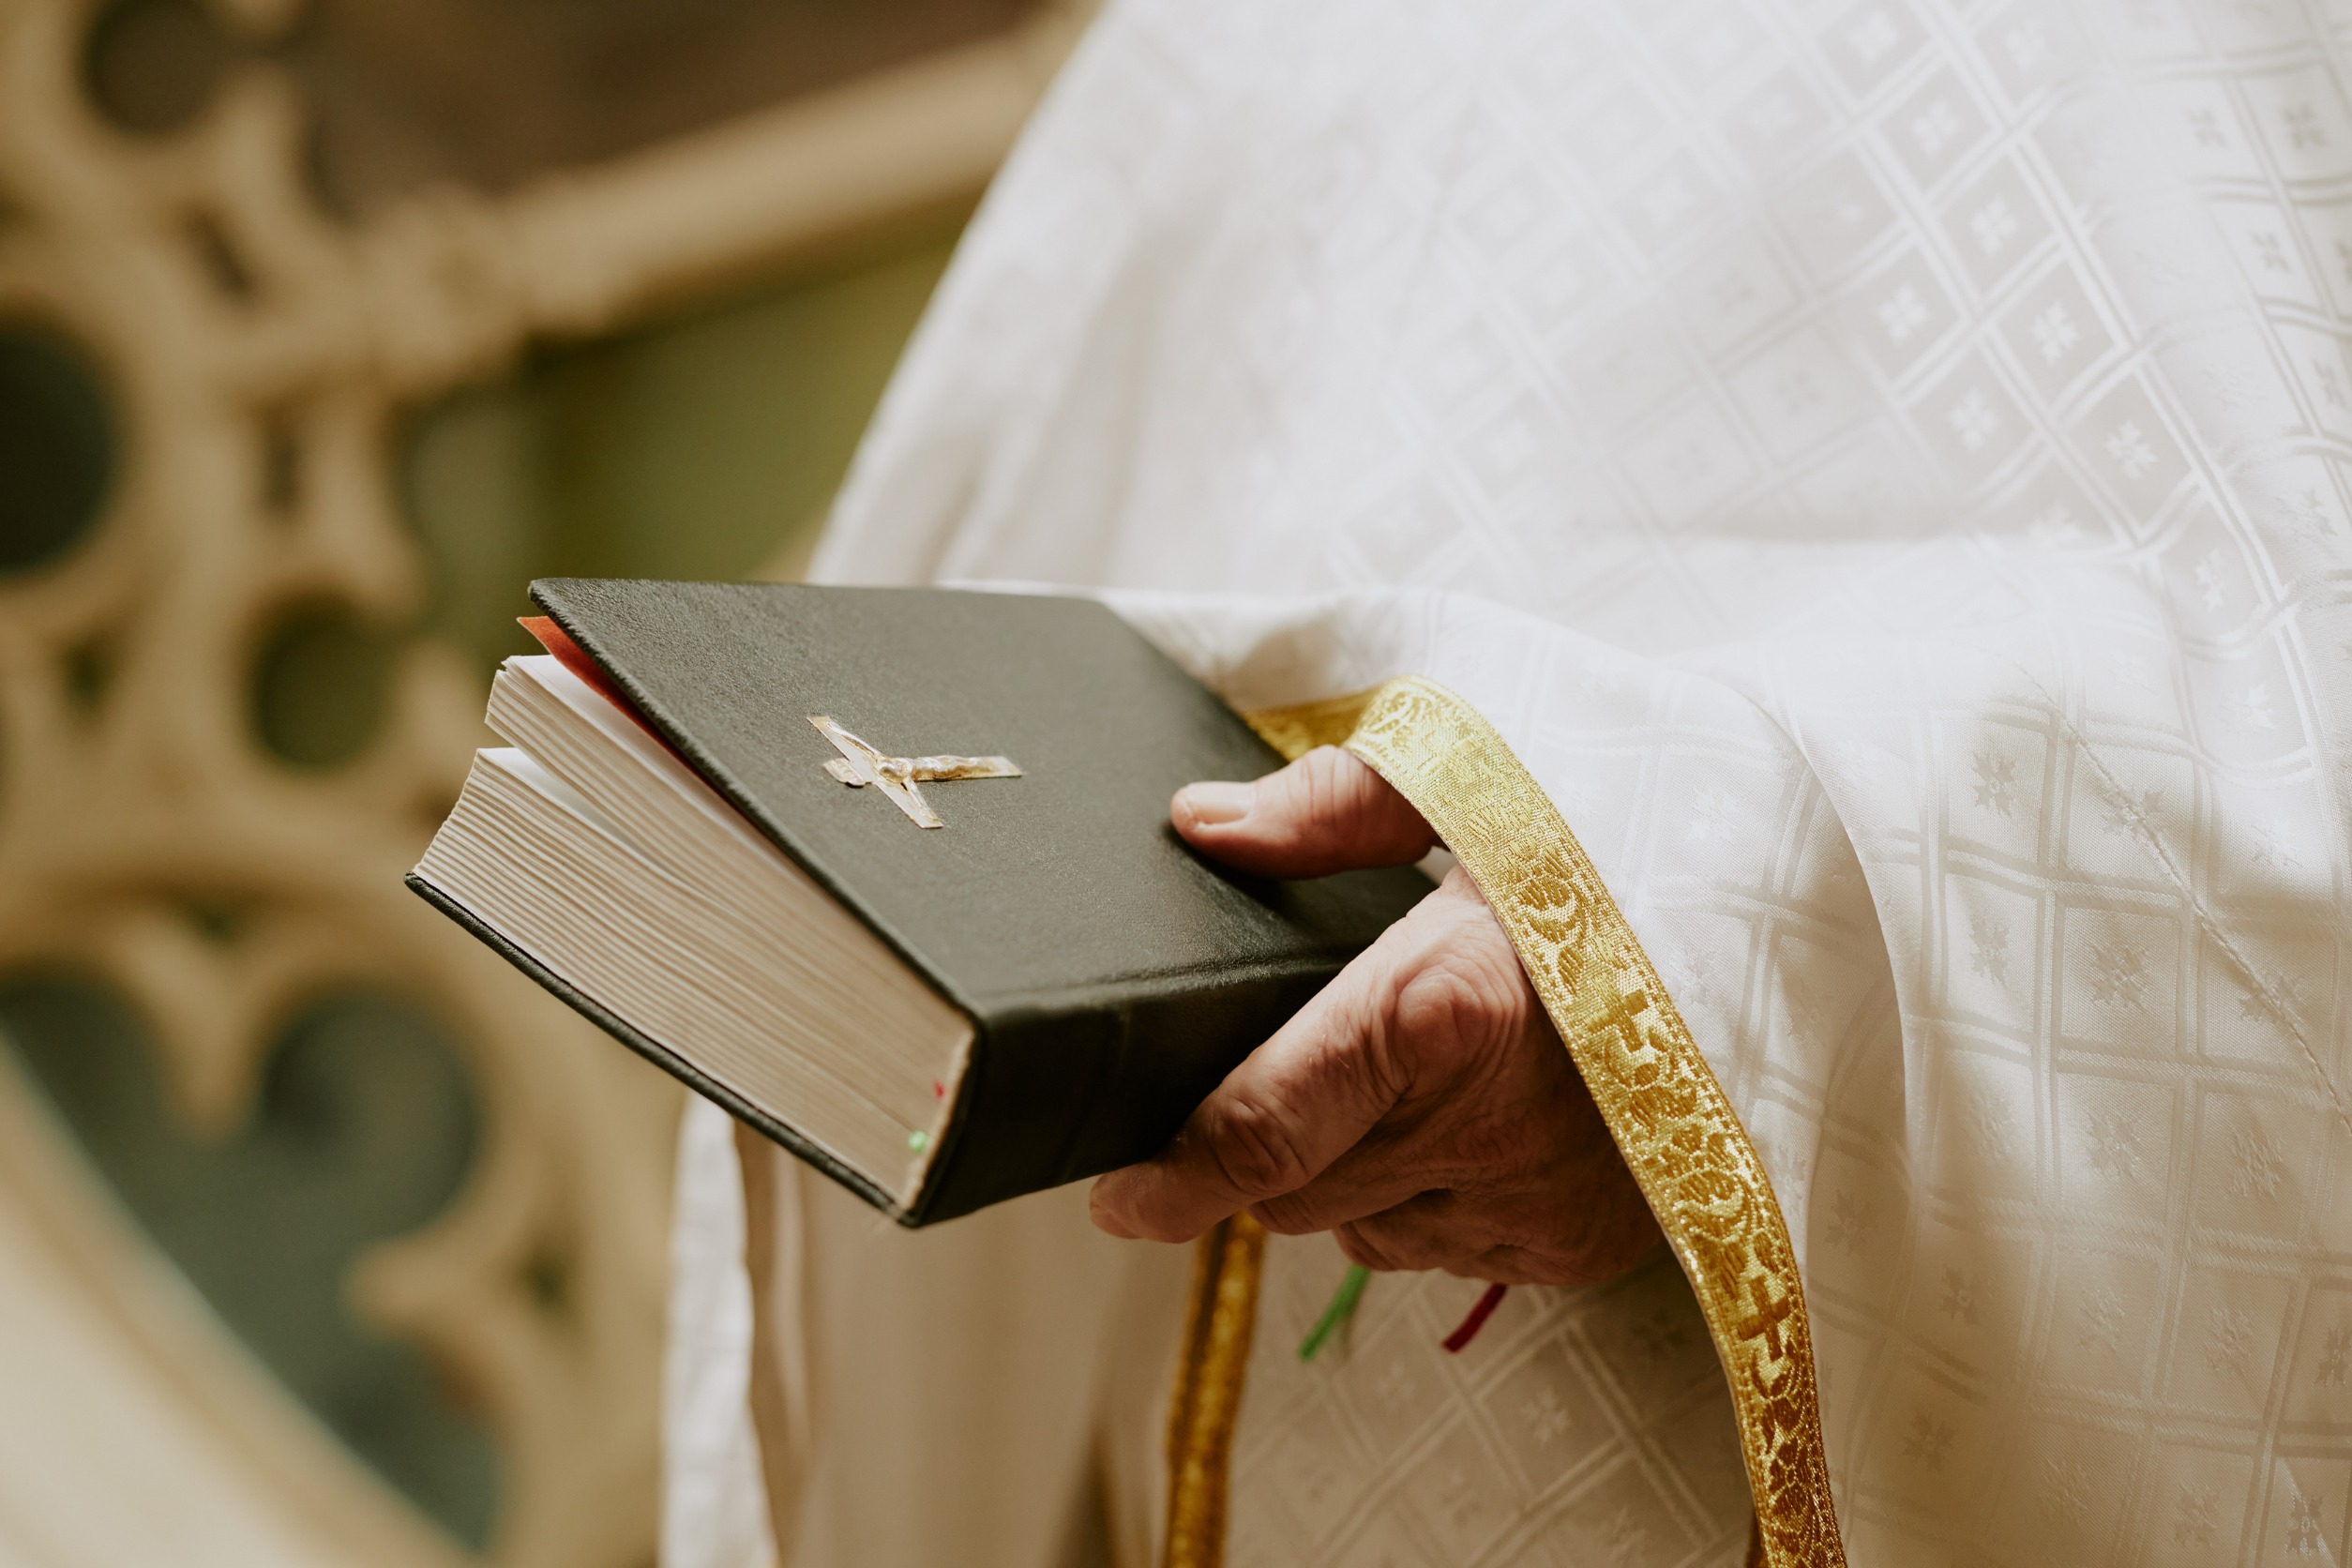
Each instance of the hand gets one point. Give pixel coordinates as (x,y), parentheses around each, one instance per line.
(1421,1106)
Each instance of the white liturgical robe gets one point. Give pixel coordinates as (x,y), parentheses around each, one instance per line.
(1880,468)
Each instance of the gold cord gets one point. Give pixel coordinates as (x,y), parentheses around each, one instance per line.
(1219,1320)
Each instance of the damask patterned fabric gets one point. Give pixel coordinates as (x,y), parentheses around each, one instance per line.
(1881,466)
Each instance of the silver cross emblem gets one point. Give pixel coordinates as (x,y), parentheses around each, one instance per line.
(860,764)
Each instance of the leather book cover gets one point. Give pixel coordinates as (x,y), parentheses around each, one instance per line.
(1114,976)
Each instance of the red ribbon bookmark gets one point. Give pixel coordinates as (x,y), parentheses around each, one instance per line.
(1477,1319)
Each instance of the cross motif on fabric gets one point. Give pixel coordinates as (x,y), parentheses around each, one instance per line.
(1621,1014)
(861,764)
(1769,1316)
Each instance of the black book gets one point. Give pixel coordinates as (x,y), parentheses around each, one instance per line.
(887,873)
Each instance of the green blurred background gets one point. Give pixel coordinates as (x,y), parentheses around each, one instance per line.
(704,447)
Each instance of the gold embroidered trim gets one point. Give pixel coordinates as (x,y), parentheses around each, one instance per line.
(1219,1320)
(1669,1116)
(1297,730)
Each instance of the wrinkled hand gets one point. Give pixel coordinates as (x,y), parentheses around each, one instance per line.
(1422,1106)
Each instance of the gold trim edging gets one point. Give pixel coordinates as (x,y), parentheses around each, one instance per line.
(1219,1320)
(1663,1104)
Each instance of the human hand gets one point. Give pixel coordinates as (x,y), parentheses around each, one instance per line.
(1422,1106)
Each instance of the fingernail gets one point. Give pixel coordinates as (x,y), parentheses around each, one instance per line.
(1213,804)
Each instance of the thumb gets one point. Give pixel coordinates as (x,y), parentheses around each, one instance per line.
(1326,812)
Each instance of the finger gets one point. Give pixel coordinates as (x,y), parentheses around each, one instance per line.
(1430,1230)
(1445,1231)
(1509,1265)
(1502,1264)
(1379,1173)
(1476,1098)
(1298,1103)
(1326,812)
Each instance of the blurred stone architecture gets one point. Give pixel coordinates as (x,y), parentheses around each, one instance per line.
(324,1239)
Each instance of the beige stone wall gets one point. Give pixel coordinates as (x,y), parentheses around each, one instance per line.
(257,352)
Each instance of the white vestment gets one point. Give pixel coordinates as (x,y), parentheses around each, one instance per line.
(1881,466)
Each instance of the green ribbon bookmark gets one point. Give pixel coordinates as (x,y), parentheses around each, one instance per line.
(1342,1307)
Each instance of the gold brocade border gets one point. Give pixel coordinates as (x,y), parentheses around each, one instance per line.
(1297,730)
(1669,1116)
(1219,1320)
